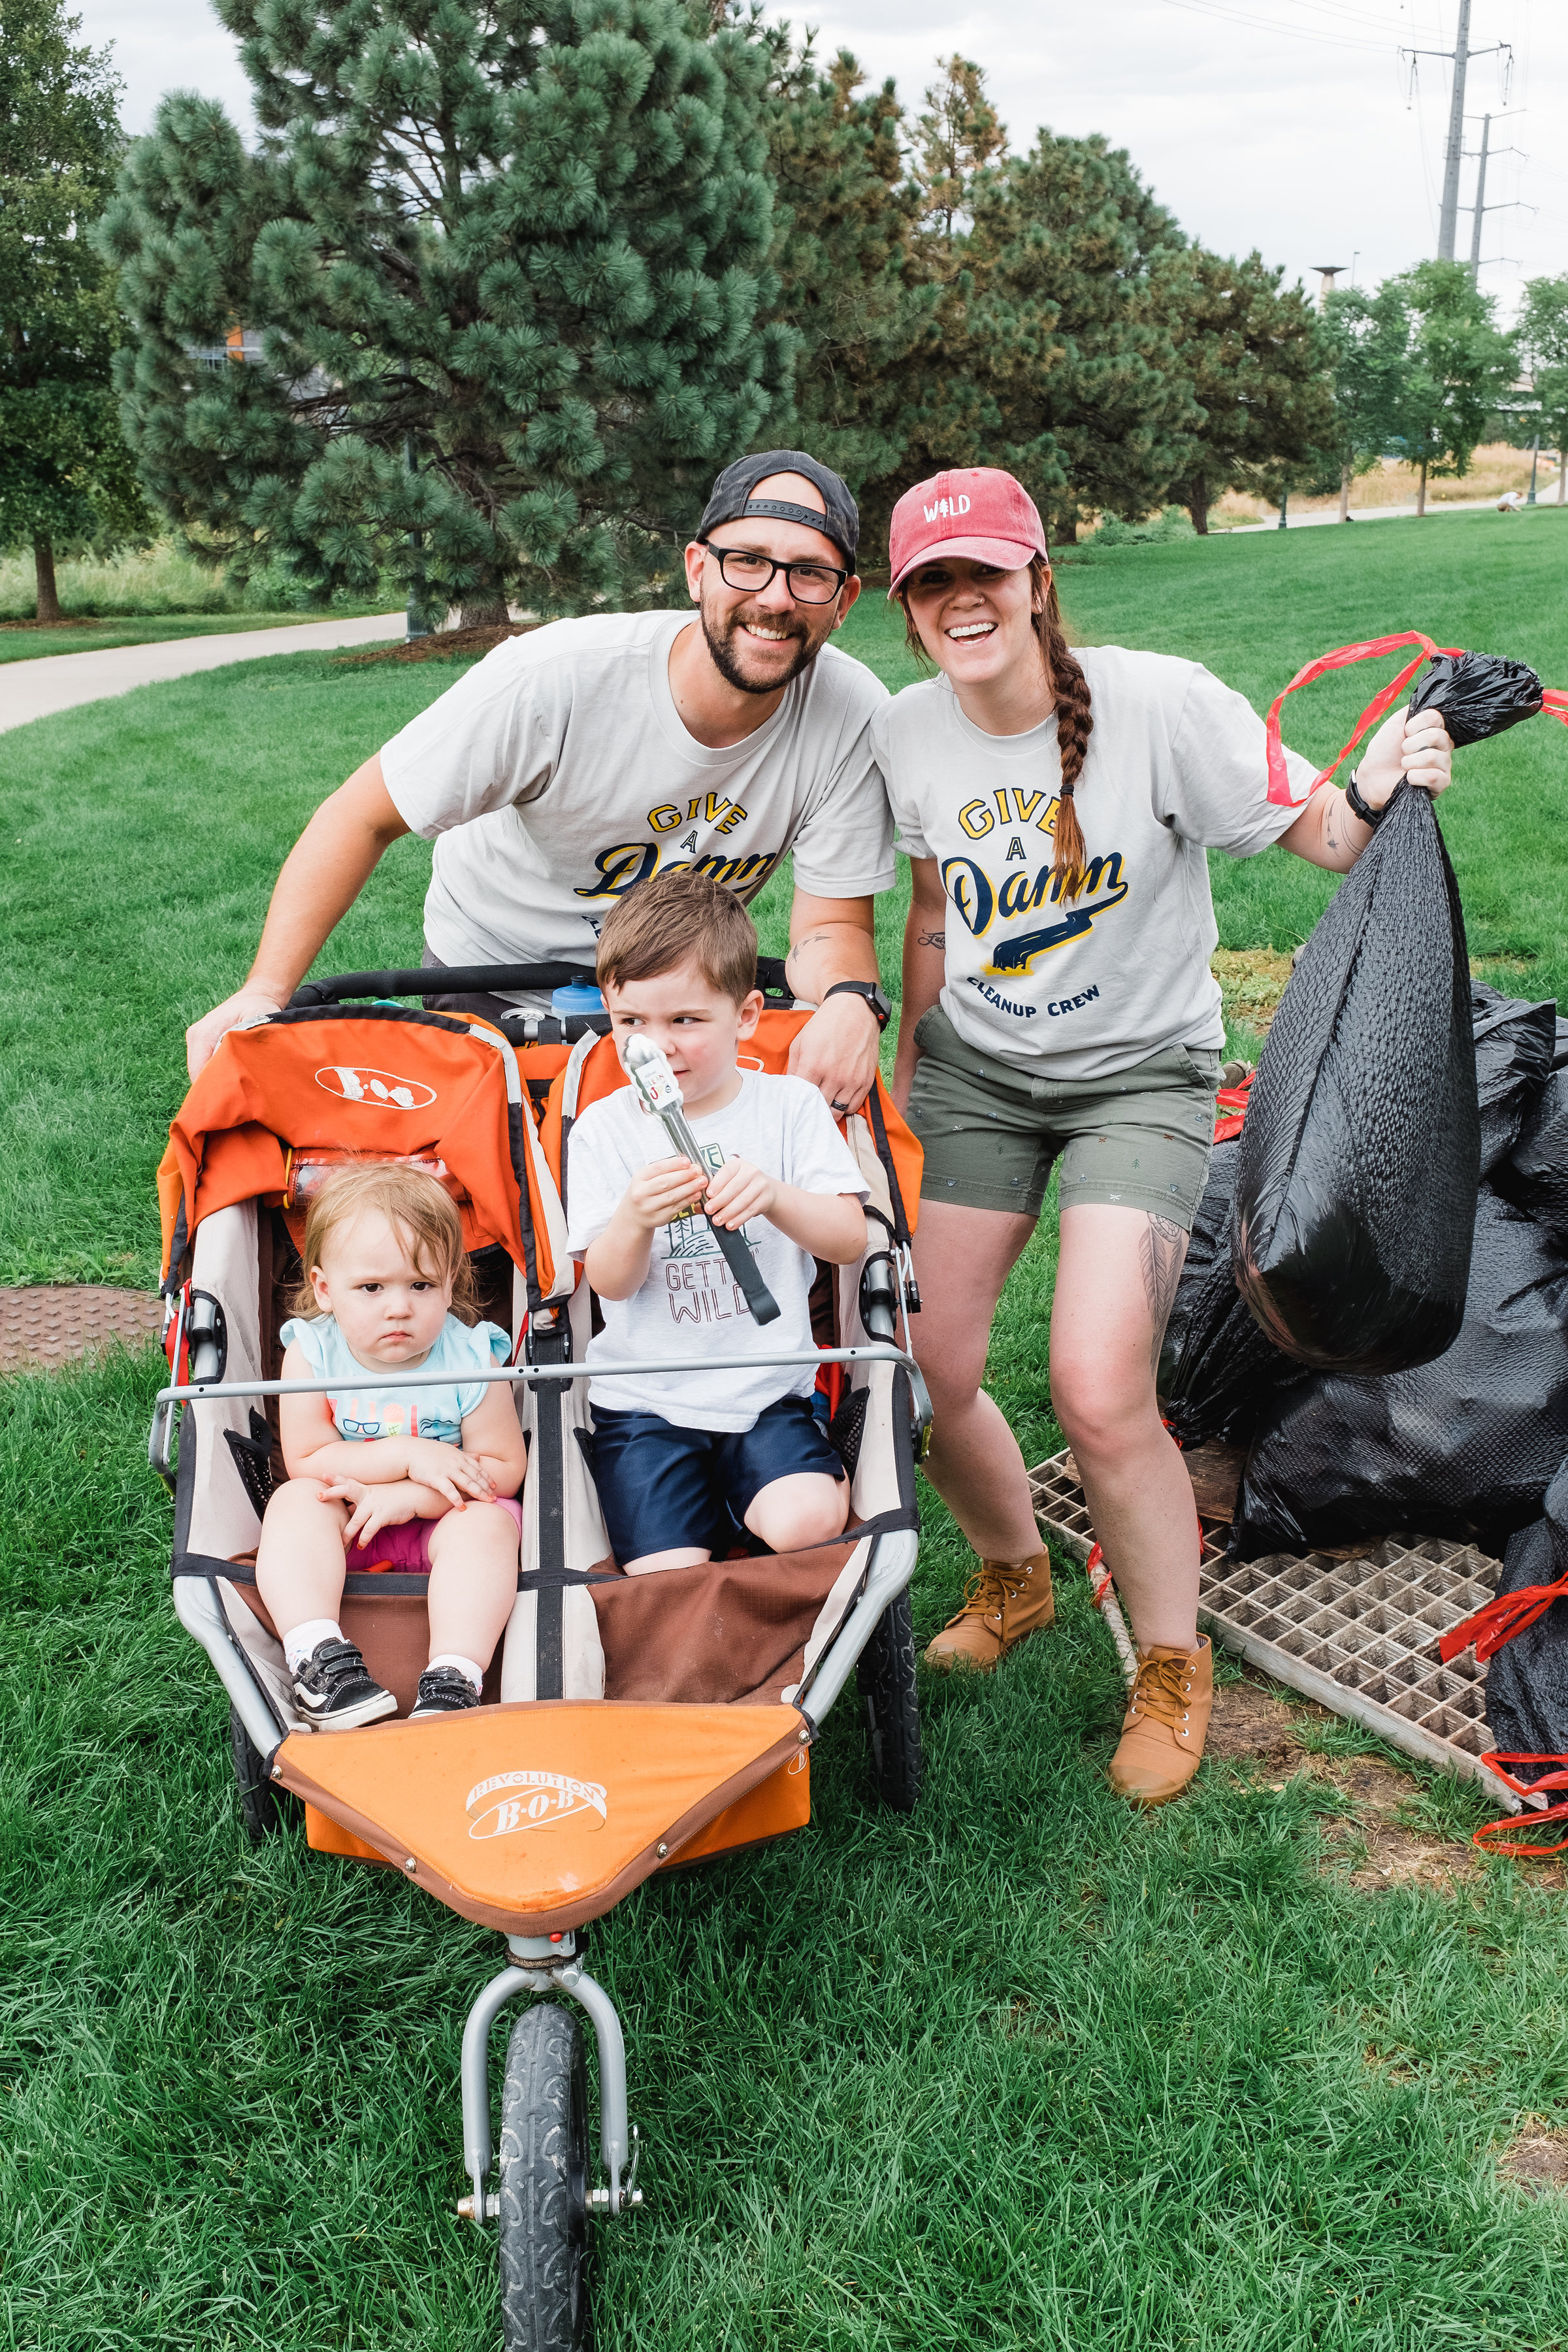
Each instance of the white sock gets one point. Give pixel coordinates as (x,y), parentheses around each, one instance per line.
(475,1675)
(299,1644)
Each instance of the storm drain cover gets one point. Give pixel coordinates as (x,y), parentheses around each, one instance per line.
(49,1324)
(1358,1635)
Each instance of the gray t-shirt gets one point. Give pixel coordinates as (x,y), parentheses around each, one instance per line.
(1085,988)
(556,773)
(690,1304)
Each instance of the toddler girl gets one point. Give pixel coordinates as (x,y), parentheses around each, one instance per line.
(415,1478)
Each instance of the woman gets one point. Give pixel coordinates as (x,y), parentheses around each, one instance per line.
(1058,1005)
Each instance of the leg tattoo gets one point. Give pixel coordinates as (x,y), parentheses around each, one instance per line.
(1161,1253)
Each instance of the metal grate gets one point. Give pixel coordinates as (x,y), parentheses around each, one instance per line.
(49,1324)
(1358,1635)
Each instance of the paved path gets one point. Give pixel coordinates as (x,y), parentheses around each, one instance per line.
(35,689)
(1384,514)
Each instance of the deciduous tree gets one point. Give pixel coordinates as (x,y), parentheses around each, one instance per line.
(65,471)
(1542,334)
(1459,367)
(1367,338)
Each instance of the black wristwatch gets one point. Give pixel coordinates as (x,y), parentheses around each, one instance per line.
(870,990)
(1370,817)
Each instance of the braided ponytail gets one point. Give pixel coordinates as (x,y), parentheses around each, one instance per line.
(1074,718)
(1074,722)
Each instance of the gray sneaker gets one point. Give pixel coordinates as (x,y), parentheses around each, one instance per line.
(335,1692)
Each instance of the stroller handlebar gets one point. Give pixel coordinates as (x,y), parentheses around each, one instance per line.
(441,980)
(198,1391)
(487,979)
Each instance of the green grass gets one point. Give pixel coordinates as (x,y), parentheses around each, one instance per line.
(1022,2071)
(24,641)
(158,579)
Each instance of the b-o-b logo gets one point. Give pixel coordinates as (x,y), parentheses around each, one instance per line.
(533,1800)
(374,1088)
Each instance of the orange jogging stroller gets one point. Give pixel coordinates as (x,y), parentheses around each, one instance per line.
(629,1723)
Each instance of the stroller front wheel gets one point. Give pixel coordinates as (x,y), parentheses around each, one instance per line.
(544,2186)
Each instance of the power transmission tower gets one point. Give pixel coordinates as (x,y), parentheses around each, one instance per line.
(1481,208)
(1459,55)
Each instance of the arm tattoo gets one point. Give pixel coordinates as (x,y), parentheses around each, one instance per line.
(931,939)
(1161,1253)
(801,945)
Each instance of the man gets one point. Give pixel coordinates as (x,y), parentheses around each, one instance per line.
(574,763)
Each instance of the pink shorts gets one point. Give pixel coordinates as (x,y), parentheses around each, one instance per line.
(407,1548)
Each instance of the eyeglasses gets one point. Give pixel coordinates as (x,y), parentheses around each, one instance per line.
(808,584)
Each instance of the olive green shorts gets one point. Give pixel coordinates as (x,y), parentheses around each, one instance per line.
(992,1134)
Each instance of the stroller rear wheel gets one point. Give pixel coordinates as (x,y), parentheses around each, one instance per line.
(261,1805)
(886,1674)
(544,2186)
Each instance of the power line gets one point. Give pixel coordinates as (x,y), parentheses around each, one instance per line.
(1267,24)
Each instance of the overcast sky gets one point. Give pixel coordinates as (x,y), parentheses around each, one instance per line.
(1286,124)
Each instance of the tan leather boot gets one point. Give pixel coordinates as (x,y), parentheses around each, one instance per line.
(1166,1723)
(1002,1601)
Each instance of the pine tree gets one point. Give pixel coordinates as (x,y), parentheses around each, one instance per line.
(1459,367)
(1057,361)
(957,137)
(65,472)
(1259,371)
(851,285)
(1544,347)
(506,266)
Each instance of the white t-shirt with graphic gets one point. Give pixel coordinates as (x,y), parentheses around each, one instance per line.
(1175,766)
(690,1304)
(557,774)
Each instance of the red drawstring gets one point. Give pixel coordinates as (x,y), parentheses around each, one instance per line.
(1230,1104)
(1499,1621)
(1280,791)
(1553,703)
(1487,1837)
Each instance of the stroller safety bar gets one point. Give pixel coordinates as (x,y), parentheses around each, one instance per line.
(195,1392)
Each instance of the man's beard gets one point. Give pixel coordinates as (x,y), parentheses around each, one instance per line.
(720,644)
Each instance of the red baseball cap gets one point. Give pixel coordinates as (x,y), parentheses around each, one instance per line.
(974,511)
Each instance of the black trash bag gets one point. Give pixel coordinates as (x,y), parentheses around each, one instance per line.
(1465,1446)
(1478,694)
(1217,1369)
(1526,1679)
(1515,1043)
(1535,1174)
(1355,1198)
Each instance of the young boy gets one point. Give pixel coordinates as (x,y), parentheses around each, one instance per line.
(685,1461)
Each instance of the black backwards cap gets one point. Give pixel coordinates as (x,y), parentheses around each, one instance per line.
(731,497)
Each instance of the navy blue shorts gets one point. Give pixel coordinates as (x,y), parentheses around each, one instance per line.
(663,1488)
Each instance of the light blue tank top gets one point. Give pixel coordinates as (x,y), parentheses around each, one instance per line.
(361,1410)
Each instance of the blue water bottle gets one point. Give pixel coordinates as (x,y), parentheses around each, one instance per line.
(578,996)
